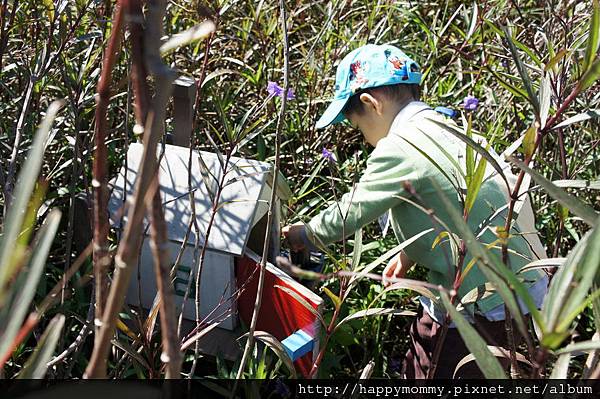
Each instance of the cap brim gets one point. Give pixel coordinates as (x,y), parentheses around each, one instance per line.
(333,113)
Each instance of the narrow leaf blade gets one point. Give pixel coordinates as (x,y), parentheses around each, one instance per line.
(277,347)
(593,36)
(495,272)
(37,364)
(590,77)
(22,301)
(587,213)
(375,312)
(23,189)
(188,36)
(522,71)
(594,113)
(470,142)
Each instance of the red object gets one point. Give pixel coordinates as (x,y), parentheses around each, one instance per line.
(280,313)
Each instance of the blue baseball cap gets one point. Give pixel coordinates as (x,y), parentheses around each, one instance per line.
(368,66)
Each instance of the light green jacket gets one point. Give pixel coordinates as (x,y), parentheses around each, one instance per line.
(403,157)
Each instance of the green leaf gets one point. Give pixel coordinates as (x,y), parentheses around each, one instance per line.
(37,364)
(25,293)
(587,213)
(23,190)
(49,5)
(375,312)
(561,367)
(513,147)
(473,24)
(579,118)
(414,285)
(590,77)
(310,181)
(439,238)
(470,142)
(277,347)
(593,36)
(334,298)
(591,185)
(497,352)
(496,273)
(570,286)
(367,269)
(449,157)
(555,60)
(515,91)
(469,154)
(487,362)
(543,263)
(210,180)
(436,165)
(529,141)
(188,36)
(584,346)
(476,294)
(522,71)
(567,319)
(215,74)
(358,248)
(475,184)
(131,351)
(596,308)
(524,48)
(563,212)
(545,93)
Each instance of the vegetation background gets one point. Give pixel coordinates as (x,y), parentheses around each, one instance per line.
(527,62)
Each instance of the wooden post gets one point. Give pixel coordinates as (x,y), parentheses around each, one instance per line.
(184,94)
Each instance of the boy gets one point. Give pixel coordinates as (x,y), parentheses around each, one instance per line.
(377,89)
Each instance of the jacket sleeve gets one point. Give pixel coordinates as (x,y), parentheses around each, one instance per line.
(378,190)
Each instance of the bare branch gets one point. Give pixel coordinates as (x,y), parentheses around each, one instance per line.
(263,262)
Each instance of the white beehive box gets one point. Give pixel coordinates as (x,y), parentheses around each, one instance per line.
(239,222)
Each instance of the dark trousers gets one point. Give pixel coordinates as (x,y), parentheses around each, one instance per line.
(425,333)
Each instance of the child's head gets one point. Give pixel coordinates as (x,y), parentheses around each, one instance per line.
(372,84)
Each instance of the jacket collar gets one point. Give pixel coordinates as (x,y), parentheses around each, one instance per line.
(407,113)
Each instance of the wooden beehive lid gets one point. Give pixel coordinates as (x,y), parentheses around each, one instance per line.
(243,199)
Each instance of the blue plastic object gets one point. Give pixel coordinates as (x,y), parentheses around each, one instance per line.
(446,111)
(298,344)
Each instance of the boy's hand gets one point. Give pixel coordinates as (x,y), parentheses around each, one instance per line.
(396,268)
(293,235)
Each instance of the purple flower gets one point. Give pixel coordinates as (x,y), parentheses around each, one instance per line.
(328,155)
(277,91)
(470,103)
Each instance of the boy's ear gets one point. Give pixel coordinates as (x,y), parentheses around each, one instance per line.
(372,102)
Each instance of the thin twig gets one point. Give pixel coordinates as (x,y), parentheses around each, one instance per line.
(100,169)
(192,201)
(158,228)
(541,356)
(263,262)
(202,256)
(168,314)
(127,252)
